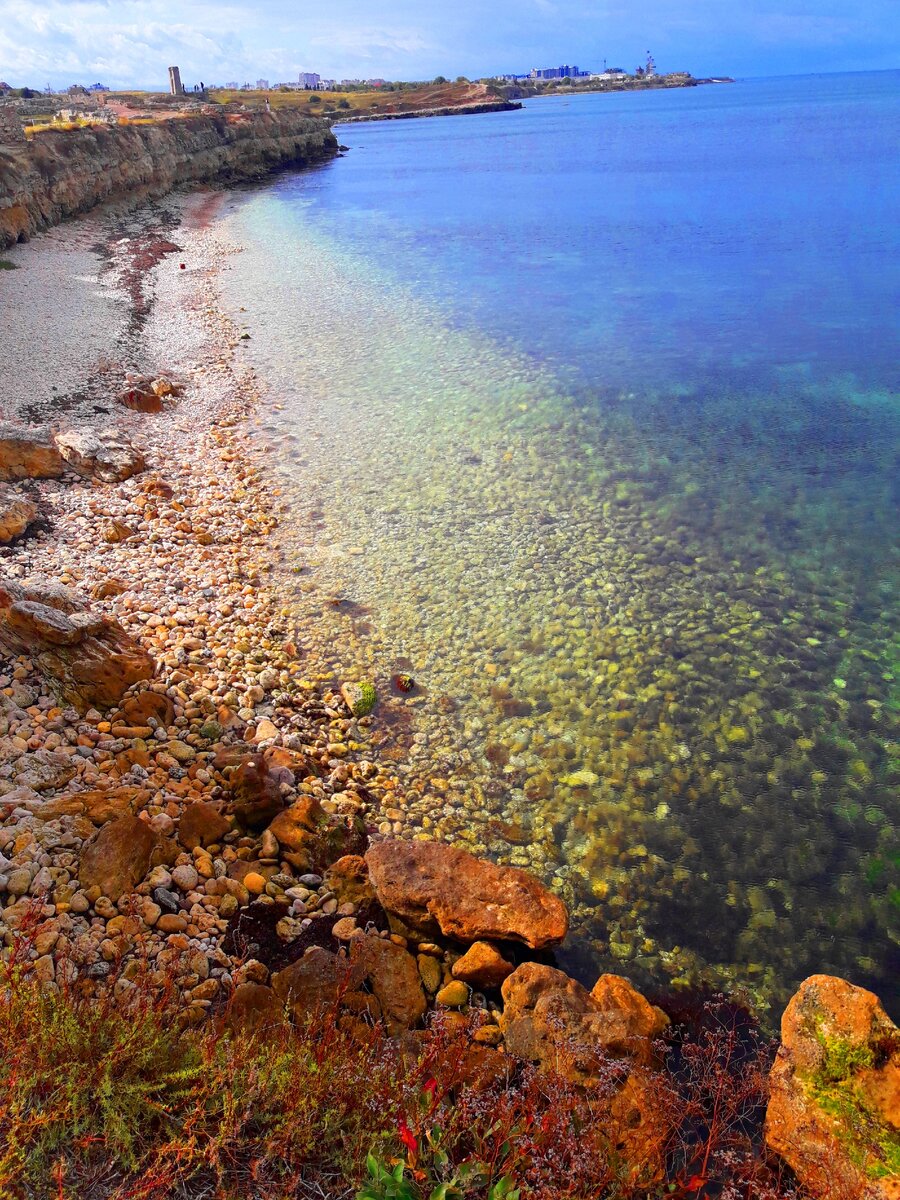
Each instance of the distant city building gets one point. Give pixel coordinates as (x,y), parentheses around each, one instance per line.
(564,72)
(175,81)
(375,83)
(98,87)
(309,79)
(327,85)
(351,82)
(234,86)
(262,85)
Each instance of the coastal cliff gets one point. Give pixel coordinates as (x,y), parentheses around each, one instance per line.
(59,174)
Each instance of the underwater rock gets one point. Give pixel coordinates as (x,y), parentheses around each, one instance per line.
(834,1107)
(359,697)
(436,888)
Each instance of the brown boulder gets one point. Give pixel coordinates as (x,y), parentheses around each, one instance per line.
(482,966)
(106,455)
(315,839)
(16,514)
(140,399)
(544,1008)
(834,1105)
(138,708)
(29,454)
(393,976)
(314,982)
(630,1022)
(599,1044)
(91,658)
(435,888)
(255,794)
(120,854)
(201,824)
(254,1008)
(349,879)
(98,806)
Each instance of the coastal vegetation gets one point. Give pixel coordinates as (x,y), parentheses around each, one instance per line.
(113,1096)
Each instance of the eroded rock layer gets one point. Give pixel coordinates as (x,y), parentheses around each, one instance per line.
(59,174)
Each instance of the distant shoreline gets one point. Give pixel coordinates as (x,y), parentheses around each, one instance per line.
(628,83)
(446,111)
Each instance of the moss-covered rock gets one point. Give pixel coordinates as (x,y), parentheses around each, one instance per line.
(834,1109)
(360,698)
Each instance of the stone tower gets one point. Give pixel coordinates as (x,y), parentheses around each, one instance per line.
(175,82)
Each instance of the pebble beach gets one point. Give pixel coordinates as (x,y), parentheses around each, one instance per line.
(181,555)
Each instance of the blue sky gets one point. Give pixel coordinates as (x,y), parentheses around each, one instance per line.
(131,42)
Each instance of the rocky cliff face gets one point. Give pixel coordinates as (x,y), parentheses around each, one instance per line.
(59,174)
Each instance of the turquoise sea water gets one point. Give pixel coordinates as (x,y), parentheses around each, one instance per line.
(586,417)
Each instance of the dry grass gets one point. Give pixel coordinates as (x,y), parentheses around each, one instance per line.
(350,104)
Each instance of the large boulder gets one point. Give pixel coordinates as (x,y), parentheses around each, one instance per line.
(312,839)
(834,1106)
(120,854)
(201,824)
(107,455)
(394,979)
(551,1020)
(601,1043)
(16,514)
(97,806)
(434,888)
(90,657)
(314,982)
(29,453)
(482,966)
(44,770)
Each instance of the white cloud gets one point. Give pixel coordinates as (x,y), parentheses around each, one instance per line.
(131,42)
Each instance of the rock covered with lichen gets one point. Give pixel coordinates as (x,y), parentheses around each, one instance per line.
(834,1109)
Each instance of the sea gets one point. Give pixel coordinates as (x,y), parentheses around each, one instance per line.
(585,423)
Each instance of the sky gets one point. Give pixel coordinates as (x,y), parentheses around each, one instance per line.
(130,43)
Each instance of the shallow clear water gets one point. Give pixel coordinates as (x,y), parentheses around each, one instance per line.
(586,417)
